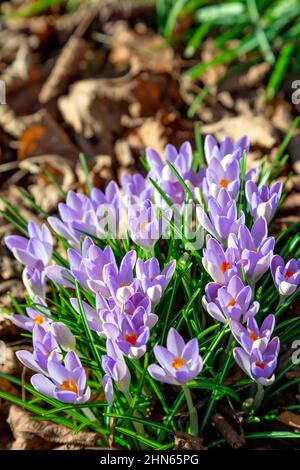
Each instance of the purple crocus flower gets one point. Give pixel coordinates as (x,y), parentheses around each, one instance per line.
(120,283)
(107,209)
(66,383)
(222,218)
(252,333)
(233,301)
(77,215)
(145,226)
(227,148)
(263,201)
(40,315)
(153,281)
(77,260)
(261,362)
(92,315)
(130,333)
(43,344)
(221,175)
(94,265)
(116,370)
(162,173)
(179,362)
(286,277)
(219,263)
(35,253)
(255,247)
(136,188)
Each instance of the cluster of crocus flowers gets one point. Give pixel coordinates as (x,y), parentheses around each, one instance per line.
(126,289)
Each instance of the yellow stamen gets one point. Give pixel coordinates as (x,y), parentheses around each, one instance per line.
(224,183)
(231,302)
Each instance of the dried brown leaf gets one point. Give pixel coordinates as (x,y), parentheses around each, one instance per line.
(256,127)
(30,434)
(142,49)
(290,419)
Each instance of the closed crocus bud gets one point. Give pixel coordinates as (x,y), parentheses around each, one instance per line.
(63,336)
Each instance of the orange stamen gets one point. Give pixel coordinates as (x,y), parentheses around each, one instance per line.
(224,183)
(224,266)
(143,226)
(253,336)
(261,365)
(38,320)
(231,303)
(69,386)
(130,338)
(289,274)
(177,363)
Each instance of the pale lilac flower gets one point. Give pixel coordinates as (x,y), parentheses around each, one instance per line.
(35,253)
(116,370)
(221,175)
(233,301)
(153,280)
(44,343)
(77,215)
(286,277)
(227,148)
(261,363)
(146,225)
(120,283)
(178,362)
(263,201)
(130,333)
(247,336)
(219,263)
(38,315)
(162,173)
(136,188)
(107,209)
(222,217)
(66,383)
(255,248)
(94,264)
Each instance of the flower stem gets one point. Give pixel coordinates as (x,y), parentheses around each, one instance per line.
(259,396)
(192,411)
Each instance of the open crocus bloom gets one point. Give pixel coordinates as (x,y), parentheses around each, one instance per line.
(263,201)
(219,263)
(286,277)
(227,148)
(66,383)
(261,362)
(252,333)
(230,302)
(255,249)
(35,316)
(178,362)
(153,281)
(221,219)
(43,344)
